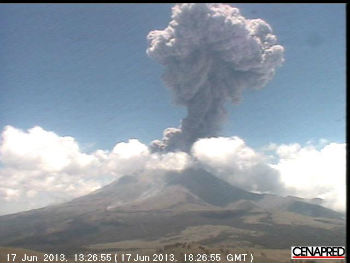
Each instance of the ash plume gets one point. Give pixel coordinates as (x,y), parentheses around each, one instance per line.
(211,53)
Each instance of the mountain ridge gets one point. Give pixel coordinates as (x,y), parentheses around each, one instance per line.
(158,207)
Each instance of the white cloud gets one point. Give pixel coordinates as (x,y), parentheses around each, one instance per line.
(133,157)
(310,172)
(305,171)
(232,160)
(175,161)
(39,167)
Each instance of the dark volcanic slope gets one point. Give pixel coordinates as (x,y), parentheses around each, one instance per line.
(209,188)
(169,206)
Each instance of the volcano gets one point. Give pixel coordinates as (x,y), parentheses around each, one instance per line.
(188,206)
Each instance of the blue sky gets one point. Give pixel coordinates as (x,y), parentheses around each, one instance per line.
(82,71)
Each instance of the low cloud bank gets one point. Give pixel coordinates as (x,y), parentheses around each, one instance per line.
(39,167)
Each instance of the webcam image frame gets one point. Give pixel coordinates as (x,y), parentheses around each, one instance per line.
(188,132)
